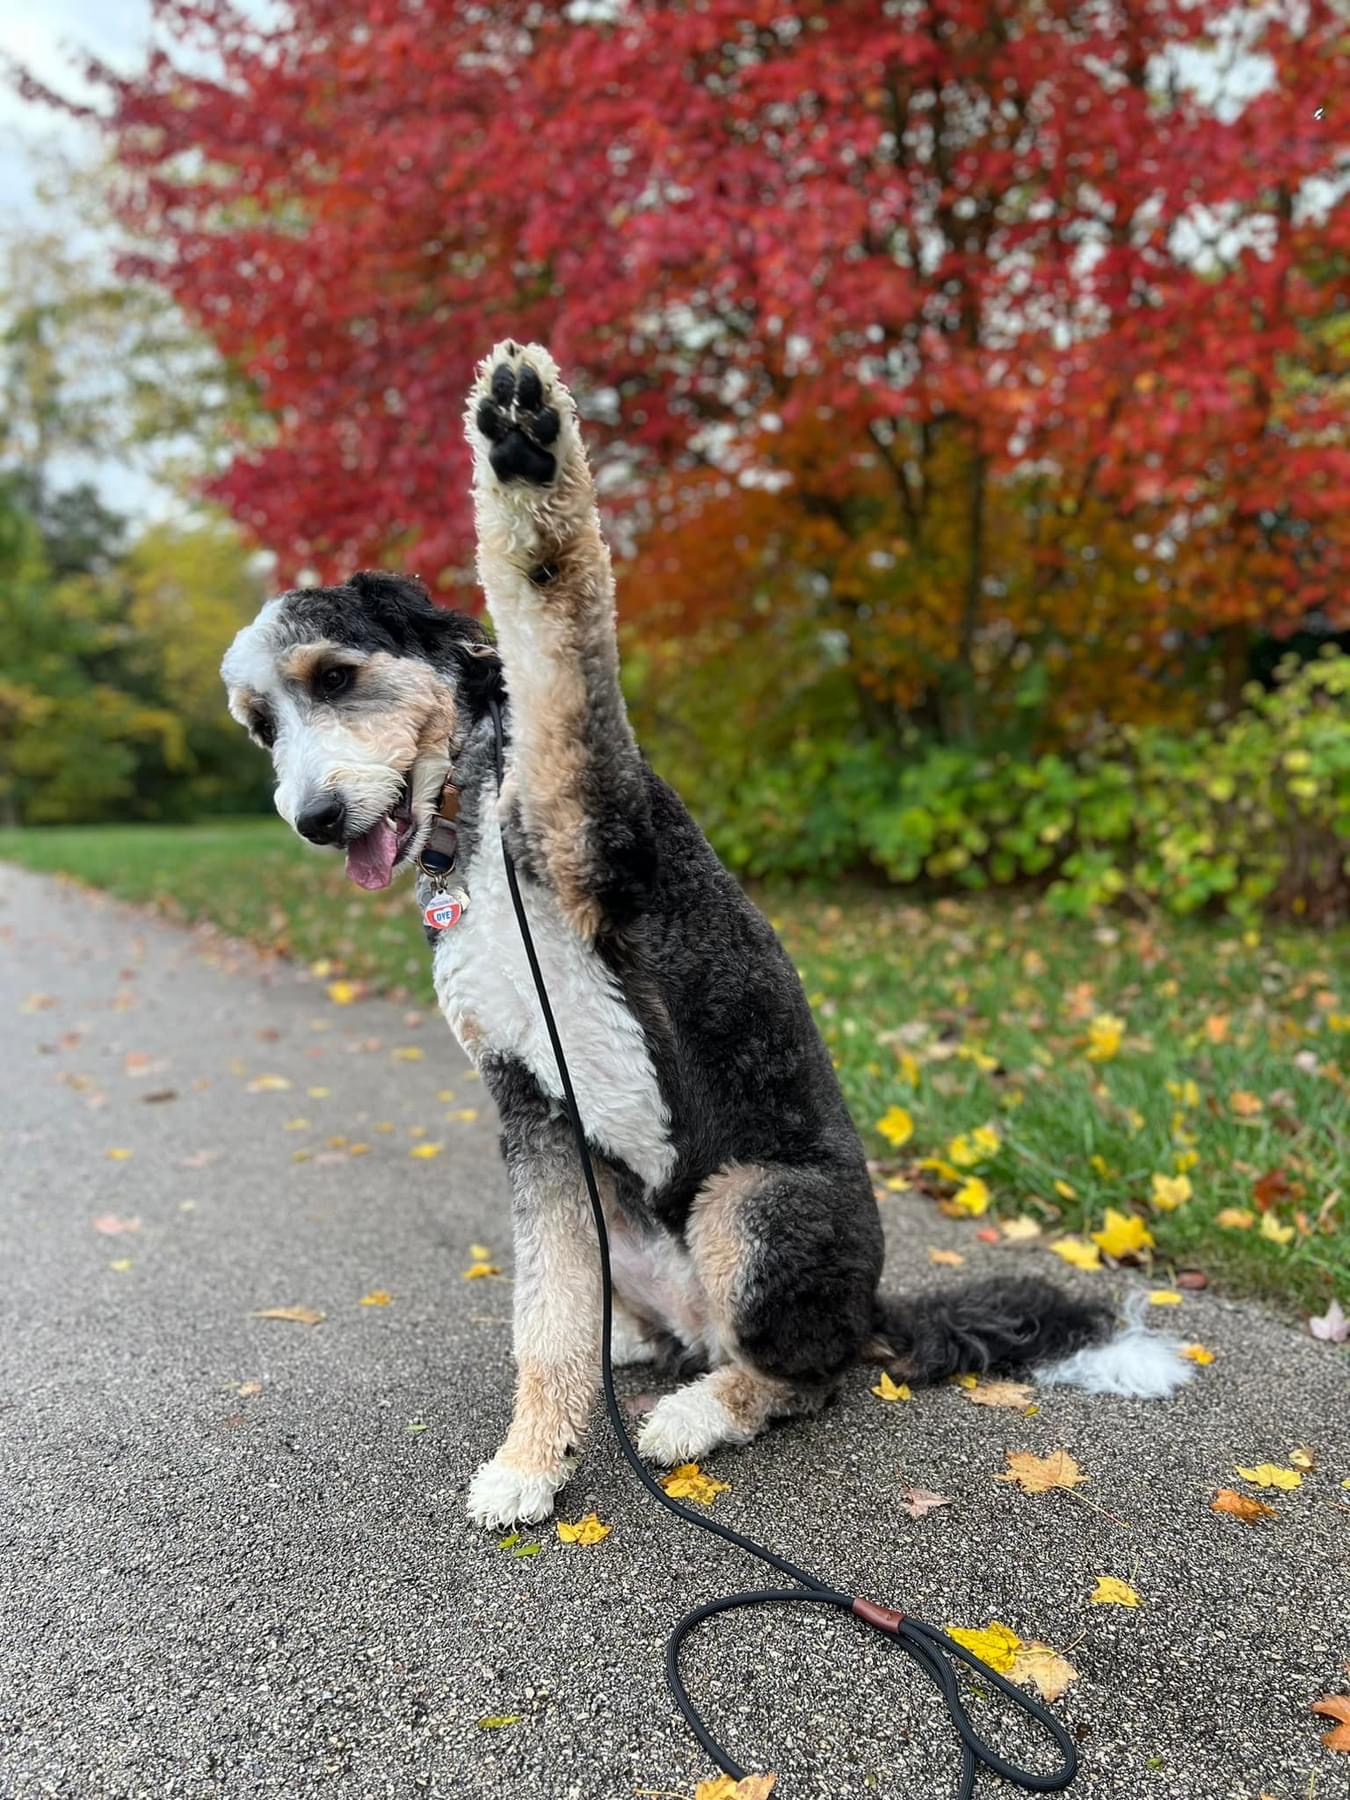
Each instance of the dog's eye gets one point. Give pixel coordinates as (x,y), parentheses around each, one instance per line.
(335,680)
(264,729)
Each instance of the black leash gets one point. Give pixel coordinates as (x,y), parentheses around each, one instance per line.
(930,1648)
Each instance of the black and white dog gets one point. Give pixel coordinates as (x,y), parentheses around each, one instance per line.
(746,1241)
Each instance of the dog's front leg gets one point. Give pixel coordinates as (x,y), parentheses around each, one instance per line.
(557,1330)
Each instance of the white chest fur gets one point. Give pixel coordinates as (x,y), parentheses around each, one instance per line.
(486,992)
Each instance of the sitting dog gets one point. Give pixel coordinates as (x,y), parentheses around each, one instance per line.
(747,1246)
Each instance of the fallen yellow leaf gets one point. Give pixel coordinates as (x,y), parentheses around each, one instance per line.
(1039,1474)
(342,993)
(1020,1229)
(1047,1671)
(297,1315)
(896,1126)
(1111,1591)
(480,1252)
(586,1531)
(1164,1297)
(996,1645)
(1267,1475)
(886,1389)
(972,1197)
(426,1151)
(407,1053)
(268,1084)
(1273,1231)
(1065,1191)
(1122,1234)
(1235,1218)
(1000,1393)
(376,1297)
(945,1259)
(121,1265)
(477,1270)
(118,1154)
(1170,1192)
(1077,1251)
(722,1787)
(1105,1036)
(1305,1457)
(688,1482)
(1197,1353)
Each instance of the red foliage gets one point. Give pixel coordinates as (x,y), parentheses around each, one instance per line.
(896,255)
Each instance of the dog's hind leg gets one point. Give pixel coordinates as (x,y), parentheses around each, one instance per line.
(788,1260)
(575,780)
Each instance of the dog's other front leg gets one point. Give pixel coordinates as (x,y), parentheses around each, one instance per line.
(575,781)
(557,1317)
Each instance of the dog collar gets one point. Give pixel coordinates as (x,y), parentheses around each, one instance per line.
(437,856)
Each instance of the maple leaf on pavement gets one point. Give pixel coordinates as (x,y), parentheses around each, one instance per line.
(1042,1665)
(1241,1506)
(919,1501)
(1112,1591)
(585,1531)
(1039,1474)
(722,1787)
(688,1482)
(1335,1706)
(1333,1326)
(1000,1393)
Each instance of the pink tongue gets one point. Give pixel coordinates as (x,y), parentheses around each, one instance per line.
(370,858)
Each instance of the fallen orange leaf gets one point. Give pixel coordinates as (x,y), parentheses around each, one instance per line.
(1335,1706)
(1039,1474)
(1241,1506)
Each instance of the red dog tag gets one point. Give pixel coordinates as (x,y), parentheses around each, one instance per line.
(444,910)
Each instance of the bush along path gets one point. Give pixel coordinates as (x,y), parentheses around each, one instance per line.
(259,1297)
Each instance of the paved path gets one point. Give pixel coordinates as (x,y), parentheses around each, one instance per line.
(275,1592)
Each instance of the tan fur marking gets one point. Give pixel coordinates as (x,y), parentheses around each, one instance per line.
(543,1427)
(300,664)
(751,1399)
(717,1241)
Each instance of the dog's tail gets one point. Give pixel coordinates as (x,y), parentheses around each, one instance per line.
(1029,1325)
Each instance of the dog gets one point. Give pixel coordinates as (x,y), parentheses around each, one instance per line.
(746,1240)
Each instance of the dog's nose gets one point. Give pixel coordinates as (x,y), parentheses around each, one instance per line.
(322,822)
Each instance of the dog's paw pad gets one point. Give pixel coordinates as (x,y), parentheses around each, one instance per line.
(501,1494)
(519,416)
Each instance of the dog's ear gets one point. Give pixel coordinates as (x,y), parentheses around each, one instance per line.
(399,602)
(480,674)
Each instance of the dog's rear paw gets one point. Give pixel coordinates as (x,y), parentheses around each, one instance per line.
(520,411)
(500,1494)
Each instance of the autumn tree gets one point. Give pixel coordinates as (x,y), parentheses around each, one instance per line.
(988,347)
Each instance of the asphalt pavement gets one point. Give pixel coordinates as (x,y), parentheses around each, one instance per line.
(234,1558)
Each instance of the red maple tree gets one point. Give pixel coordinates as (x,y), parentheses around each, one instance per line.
(993,330)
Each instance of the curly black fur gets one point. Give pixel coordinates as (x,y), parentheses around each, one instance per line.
(983,1326)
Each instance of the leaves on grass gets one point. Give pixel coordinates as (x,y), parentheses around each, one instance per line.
(886,1389)
(297,1315)
(1170,1192)
(1078,1251)
(972,1197)
(1021,1229)
(1241,1506)
(749,1787)
(896,1126)
(1245,1105)
(1268,1475)
(1111,1591)
(1039,1474)
(1234,1218)
(688,1482)
(1105,1035)
(920,1501)
(1122,1235)
(1272,1229)
(1332,1326)
(1000,1393)
(1335,1706)
(586,1531)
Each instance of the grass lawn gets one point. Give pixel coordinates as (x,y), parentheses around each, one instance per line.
(1096,1058)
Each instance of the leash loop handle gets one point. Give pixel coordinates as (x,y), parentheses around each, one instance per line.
(929,1647)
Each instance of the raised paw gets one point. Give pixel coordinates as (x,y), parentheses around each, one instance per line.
(501,1494)
(518,409)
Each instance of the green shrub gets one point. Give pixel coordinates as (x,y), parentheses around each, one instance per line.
(1249,815)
